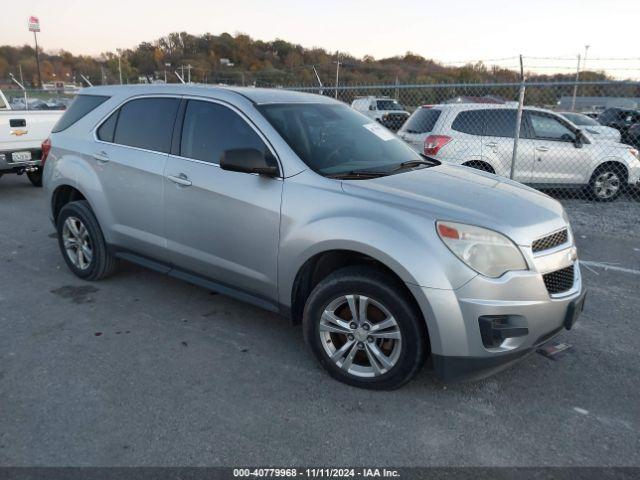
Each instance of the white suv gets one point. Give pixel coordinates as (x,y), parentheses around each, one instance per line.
(383,110)
(552,151)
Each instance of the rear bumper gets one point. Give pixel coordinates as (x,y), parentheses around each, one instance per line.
(8,165)
(520,300)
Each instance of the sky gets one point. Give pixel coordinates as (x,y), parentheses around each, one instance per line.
(449,31)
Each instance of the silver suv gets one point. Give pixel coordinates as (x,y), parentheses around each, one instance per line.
(300,205)
(552,152)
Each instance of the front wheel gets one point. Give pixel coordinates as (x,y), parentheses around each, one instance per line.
(35,177)
(364,330)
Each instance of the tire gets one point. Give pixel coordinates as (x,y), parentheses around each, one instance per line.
(77,225)
(607,182)
(356,350)
(35,177)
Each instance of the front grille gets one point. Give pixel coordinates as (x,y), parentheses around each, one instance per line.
(393,121)
(550,241)
(560,280)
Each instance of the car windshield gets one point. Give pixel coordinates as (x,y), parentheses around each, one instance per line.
(388,105)
(334,139)
(580,120)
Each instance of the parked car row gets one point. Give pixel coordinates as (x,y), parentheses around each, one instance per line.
(553,152)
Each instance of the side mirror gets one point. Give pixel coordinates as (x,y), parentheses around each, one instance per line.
(579,140)
(372,107)
(249,160)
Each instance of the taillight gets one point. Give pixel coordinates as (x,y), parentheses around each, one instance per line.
(46,148)
(433,143)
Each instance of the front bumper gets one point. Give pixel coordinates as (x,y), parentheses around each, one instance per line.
(521,299)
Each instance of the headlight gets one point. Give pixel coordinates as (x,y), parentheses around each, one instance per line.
(485,251)
(635,153)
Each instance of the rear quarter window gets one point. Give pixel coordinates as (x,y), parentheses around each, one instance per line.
(422,121)
(80,106)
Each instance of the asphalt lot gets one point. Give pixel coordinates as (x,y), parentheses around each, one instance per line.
(142,369)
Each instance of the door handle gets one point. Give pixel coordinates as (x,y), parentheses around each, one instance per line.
(102,157)
(491,144)
(542,149)
(180,179)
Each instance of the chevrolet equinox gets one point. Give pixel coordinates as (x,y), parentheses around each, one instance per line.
(298,204)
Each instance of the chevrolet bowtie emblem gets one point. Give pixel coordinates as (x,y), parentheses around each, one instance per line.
(19,133)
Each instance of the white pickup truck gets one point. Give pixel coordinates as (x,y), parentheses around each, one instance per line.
(21,135)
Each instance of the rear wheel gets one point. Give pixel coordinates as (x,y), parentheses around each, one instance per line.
(82,243)
(364,330)
(607,182)
(35,177)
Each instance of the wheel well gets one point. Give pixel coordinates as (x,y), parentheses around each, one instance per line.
(480,165)
(323,264)
(63,195)
(614,165)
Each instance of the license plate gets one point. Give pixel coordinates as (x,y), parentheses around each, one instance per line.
(574,311)
(21,156)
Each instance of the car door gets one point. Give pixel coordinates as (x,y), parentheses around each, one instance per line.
(497,144)
(557,159)
(220,224)
(129,156)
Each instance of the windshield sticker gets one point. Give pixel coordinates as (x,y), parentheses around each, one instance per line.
(379,131)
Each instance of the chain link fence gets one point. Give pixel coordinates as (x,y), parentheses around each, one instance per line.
(575,141)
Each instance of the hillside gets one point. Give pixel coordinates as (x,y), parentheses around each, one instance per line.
(240,59)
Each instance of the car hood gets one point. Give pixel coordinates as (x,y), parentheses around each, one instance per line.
(461,194)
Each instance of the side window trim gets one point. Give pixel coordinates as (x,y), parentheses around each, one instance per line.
(234,109)
(122,104)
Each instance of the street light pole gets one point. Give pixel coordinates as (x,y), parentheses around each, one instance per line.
(575,87)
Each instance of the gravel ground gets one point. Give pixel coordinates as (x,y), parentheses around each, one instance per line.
(142,369)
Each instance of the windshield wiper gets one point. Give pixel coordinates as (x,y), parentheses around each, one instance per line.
(414,163)
(355,174)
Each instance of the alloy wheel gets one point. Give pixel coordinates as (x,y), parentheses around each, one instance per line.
(360,336)
(77,243)
(606,184)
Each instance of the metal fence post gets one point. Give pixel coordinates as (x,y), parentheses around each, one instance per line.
(518,121)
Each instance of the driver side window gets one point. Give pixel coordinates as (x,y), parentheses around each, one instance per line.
(550,128)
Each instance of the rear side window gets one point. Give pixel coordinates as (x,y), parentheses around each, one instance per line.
(470,121)
(209,129)
(147,123)
(80,106)
(500,123)
(422,121)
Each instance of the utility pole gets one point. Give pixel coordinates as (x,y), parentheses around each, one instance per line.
(516,134)
(575,87)
(337,62)
(189,67)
